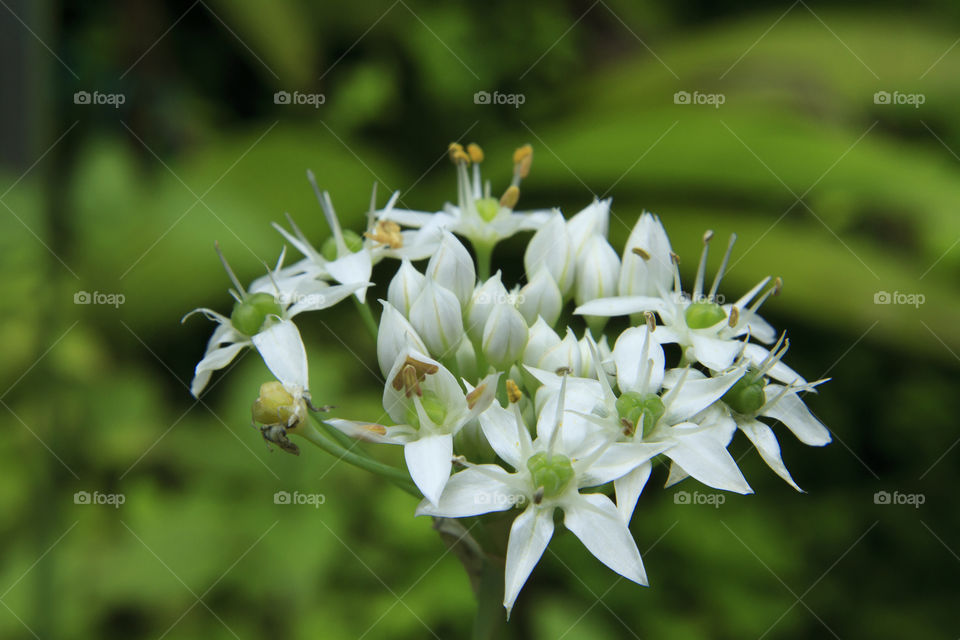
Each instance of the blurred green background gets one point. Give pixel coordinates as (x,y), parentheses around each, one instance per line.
(842,193)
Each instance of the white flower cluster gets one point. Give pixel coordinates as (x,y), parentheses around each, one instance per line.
(500,401)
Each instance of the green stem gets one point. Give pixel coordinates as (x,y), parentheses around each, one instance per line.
(491,620)
(395,475)
(484,253)
(367,316)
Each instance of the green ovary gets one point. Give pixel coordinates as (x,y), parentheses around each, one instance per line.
(350,238)
(550,472)
(641,410)
(746,395)
(701,315)
(250,313)
(432,406)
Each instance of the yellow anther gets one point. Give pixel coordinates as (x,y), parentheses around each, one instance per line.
(411,375)
(386,232)
(522,158)
(474,396)
(563,371)
(411,381)
(640,252)
(734,317)
(513,392)
(377,429)
(777,286)
(475,152)
(510,197)
(457,154)
(707,236)
(651,321)
(675,257)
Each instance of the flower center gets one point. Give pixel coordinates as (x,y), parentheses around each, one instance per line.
(433,406)
(701,315)
(639,411)
(551,472)
(350,238)
(488,208)
(250,313)
(746,395)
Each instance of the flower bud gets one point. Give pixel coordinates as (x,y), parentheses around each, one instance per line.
(452,268)
(563,357)
(436,316)
(598,270)
(541,338)
(592,220)
(647,266)
(485,298)
(405,287)
(540,297)
(395,336)
(551,248)
(504,336)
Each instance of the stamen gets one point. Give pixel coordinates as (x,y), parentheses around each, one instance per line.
(233,277)
(702,267)
(651,321)
(457,154)
(522,158)
(558,421)
(772,291)
(419,371)
(513,392)
(723,267)
(475,153)
(387,233)
(640,252)
(330,214)
(411,381)
(677,287)
(510,197)
(474,396)
(734,317)
(749,295)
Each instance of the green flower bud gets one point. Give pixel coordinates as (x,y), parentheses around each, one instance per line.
(250,313)
(640,410)
(275,406)
(746,395)
(350,238)
(488,208)
(552,473)
(435,409)
(701,315)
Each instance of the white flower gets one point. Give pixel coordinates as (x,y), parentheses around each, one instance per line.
(594,219)
(478,216)
(423,397)
(452,268)
(551,248)
(540,297)
(706,331)
(405,286)
(647,264)
(545,350)
(263,320)
(546,477)
(349,258)
(598,270)
(436,316)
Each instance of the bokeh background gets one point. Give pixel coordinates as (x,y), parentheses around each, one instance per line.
(844,193)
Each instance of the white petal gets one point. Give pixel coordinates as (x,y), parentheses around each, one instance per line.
(703,457)
(320,297)
(481,489)
(595,520)
(500,429)
(218,358)
(353,268)
(766,443)
(629,488)
(283,352)
(647,277)
(618,460)
(791,411)
(529,536)
(628,356)
(779,371)
(429,460)
(620,306)
(715,353)
(371,432)
(697,394)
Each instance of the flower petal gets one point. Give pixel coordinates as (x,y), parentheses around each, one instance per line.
(697,394)
(620,306)
(501,431)
(627,354)
(429,460)
(529,536)
(705,458)
(283,352)
(629,488)
(766,443)
(218,358)
(481,489)
(791,411)
(353,268)
(595,520)
(714,353)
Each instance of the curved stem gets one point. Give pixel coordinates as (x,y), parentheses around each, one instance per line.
(395,475)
